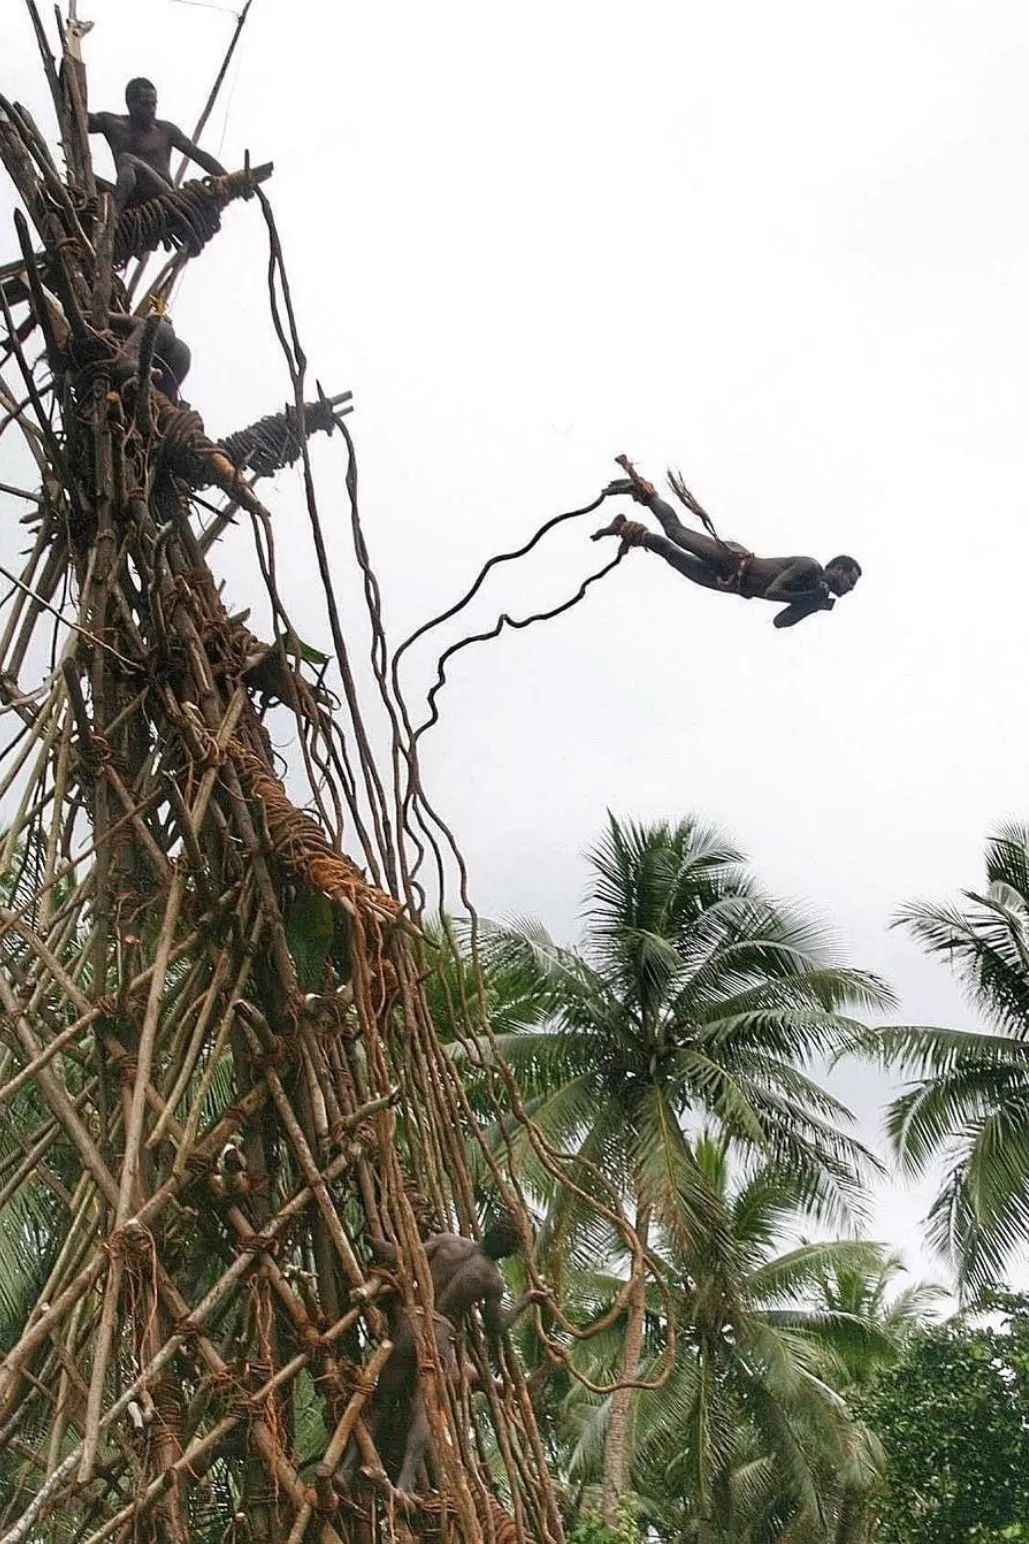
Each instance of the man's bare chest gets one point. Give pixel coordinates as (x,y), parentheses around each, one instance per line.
(150,145)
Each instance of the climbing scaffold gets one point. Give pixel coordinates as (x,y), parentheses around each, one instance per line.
(219,1074)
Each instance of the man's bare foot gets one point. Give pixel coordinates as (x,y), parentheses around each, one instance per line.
(614,529)
(639,488)
(631,532)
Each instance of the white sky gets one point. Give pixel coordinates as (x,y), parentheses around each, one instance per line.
(783,247)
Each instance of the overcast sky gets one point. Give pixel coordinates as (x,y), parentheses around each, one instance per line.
(785,248)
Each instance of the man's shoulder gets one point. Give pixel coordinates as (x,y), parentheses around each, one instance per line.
(451,1242)
(800,560)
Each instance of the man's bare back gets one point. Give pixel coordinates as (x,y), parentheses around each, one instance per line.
(465,1274)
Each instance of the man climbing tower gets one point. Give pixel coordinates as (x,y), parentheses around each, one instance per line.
(171,356)
(464,1276)
(142,143)
(802,583)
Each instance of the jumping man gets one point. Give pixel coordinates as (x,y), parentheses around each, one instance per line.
(803,584)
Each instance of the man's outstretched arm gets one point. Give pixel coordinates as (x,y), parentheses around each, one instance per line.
(186,147)
(791,615)
(533,1295)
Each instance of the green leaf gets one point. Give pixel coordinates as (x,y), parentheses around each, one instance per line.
(310,928)
(295,645)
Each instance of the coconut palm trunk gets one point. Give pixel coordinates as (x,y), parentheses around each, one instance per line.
(616,1443)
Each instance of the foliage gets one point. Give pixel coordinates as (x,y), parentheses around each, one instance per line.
(865,1290)
(674,1051)
(952,1416)
(591,1528)
(310,930)
(694,998)
(969,1103)
(749,1432)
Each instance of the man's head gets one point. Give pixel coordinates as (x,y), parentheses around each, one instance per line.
(502,1239)
(141,101)
(842,574)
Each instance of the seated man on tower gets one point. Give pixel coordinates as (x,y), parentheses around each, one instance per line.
(142,143)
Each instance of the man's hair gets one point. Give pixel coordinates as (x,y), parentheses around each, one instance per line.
(843,561)
(502,1238)
(138,84)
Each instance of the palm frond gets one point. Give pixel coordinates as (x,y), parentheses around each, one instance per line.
(791,1275)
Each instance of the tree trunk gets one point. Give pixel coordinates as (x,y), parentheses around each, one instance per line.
(852,1523)
(617,1439)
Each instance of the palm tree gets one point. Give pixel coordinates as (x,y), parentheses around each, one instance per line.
(694,999)
(867,1290)
(749,1438)
(969,1101)
(38,1171)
